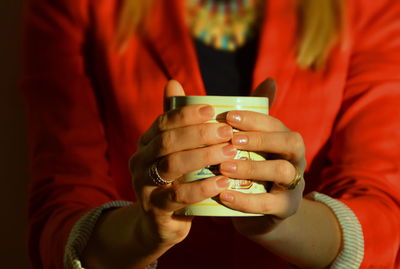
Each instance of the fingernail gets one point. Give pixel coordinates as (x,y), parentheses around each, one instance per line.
(207,111)
(223,182)
(226,196)
(240,139)
(234,117)
(228,167)
(229,150)
(225,131)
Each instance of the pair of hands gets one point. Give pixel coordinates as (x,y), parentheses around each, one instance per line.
(176,139)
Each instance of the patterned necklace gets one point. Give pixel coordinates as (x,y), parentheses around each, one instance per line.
(223,24)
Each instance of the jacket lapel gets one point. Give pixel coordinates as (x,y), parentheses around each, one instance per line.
(276,55)
(172,45)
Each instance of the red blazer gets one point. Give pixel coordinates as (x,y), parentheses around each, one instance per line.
(88,104)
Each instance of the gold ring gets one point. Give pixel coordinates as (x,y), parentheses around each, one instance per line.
(155,176)
(292,185)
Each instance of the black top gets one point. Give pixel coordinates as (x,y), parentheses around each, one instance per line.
(224,72)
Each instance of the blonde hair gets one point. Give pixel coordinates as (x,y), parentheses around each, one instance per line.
(132,17)
(320,24)
(319,27)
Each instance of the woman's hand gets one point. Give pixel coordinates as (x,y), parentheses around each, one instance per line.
(176,143)
(302,232)
(136,235)
(285,161)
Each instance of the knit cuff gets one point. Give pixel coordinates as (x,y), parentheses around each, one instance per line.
(81,232)
(352,253)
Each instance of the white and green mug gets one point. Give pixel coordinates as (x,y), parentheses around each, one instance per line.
(222,104)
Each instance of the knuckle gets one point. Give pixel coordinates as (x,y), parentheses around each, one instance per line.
(277,124)
(180,233)
(183,115)
(162,122)
(178,196)
(284,169)
(208,156)
(260,141)
(204,189)
(166,141)
(296,141)
(249,168)
(203,133)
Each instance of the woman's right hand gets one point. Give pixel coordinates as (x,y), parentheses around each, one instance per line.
(136,235)
(176,141)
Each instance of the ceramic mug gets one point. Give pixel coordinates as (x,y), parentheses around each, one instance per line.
(222,104)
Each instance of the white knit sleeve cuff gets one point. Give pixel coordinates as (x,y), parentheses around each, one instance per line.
(81,232)
(352,253)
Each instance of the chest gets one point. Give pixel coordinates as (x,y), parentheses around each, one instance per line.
(130,84)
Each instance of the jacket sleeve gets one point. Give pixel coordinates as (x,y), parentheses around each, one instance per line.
(364,155)
(68,148)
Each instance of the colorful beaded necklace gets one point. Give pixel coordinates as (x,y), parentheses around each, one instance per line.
(223,24)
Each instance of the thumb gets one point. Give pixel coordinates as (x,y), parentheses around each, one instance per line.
(267,88)
(173,88)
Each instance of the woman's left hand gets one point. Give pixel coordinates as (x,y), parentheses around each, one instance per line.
(285,162)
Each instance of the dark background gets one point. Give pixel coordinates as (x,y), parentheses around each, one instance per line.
(13,156)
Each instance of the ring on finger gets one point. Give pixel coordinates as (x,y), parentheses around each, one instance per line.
(155,175)
(297,178)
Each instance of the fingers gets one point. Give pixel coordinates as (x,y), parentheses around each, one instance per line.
(193,114)
(185,116)
(173,88)
(181,195)
(281,205)
(280,172)
(175,165)
(254,121)
(289,145)
(188,137)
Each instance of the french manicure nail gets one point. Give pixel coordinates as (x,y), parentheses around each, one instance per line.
(240,139)
(223,182)
(228,167)
(229,150)
(233,117)
(207,111)
(225,131)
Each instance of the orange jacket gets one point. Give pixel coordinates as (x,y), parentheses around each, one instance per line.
(88,104)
